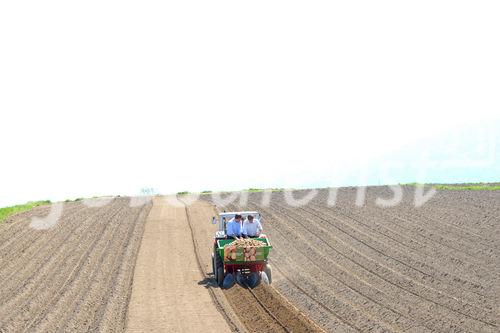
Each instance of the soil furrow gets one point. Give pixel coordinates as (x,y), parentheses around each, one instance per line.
(66,291)
(403,268)
(53,280)
(88,253)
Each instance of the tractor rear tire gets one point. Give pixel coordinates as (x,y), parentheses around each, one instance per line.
(220,276)
(219,270)
(268,270)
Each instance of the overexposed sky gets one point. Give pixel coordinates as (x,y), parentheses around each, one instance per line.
(108,97)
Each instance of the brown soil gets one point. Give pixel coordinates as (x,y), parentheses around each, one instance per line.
(401,269)
(167,294)
(74,277)
(348,269)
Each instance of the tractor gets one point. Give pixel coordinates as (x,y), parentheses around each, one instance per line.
(237,267)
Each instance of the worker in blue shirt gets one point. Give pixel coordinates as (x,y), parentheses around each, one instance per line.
(234,228)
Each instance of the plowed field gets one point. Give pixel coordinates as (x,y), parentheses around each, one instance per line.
(76,276)
(336,268)
(434,268)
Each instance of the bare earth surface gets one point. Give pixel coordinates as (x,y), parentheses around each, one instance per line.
(75,277)
(167,294)
(434,268)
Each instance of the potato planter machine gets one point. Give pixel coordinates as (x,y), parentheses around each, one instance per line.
(247,265)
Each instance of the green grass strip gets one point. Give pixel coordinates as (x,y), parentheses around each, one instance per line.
(484,187)
(460,187)
(8,211)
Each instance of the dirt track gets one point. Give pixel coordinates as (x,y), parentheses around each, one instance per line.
(167,294)
(401,269)
(74,277)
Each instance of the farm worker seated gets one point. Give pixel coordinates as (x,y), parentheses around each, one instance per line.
(234,228)
(251,227)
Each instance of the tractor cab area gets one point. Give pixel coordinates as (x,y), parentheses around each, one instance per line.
(225,217)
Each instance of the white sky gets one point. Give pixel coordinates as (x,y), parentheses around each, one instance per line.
(107,97)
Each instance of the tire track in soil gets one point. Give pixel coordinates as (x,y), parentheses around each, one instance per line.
(231,319)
